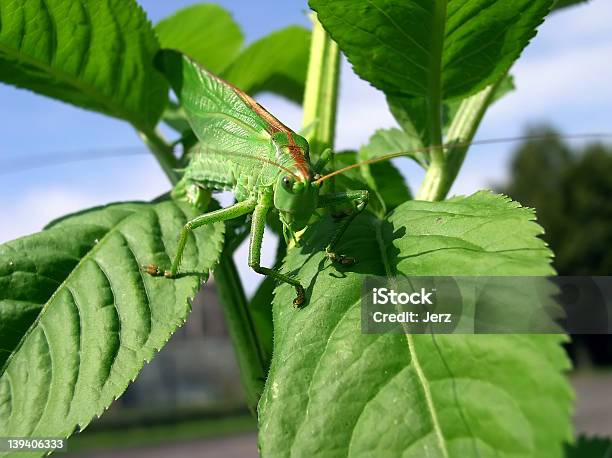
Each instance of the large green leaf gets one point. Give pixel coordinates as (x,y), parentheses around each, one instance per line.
(94,54)
(431,49)
(333,391)
(276,63)
(205,32)
(102,318)
(31,269)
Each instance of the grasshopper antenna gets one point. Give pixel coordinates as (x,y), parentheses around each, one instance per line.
(489,141)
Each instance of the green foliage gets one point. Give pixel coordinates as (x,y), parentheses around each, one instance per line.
(430,57)
(96,55)
(411,48)
(78,317)
(560,4)
(101,316)
(207,33)
(385,183)
(333,391)
(276,63)
(185,31)
(386,141)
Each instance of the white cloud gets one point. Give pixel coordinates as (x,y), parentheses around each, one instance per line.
(552,87)
(32,211)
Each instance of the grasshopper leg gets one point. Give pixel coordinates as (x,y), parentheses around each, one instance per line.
(358,201)
(324,159)
(223,214)
(257,230)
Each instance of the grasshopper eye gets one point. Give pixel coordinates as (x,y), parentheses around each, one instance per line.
(287,182)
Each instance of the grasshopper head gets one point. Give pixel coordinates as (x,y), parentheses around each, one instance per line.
(295,200)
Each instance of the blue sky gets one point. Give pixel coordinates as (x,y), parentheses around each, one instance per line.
(563,78)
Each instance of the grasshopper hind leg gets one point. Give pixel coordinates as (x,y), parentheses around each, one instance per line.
(235,211)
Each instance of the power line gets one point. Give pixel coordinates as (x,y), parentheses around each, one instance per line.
(18,164)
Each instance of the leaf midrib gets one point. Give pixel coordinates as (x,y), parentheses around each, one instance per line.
(413,354)
(90,91)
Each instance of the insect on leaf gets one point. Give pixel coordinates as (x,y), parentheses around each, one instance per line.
(214,109)
(335,391)
(95,55)
(100,317)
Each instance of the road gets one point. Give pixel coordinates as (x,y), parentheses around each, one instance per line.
(593,416)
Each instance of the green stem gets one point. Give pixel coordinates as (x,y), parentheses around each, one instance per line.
(251,360)
(463,129)
(435,178)
(441,174)
(435,175)
(321,93)
(162,152)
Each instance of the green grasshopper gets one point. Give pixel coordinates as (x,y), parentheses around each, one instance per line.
(246,150)
(263,162)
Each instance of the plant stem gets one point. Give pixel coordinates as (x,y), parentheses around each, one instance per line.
(435,176)
(463,129)
(162,152)
(441,174)
(241,329)
(321,93)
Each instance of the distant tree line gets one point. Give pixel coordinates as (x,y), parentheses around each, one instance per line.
(571,190)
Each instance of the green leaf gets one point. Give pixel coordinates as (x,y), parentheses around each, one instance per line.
(333,391)
(560,4)
(206,32)
(411,113)
(31,269)
(102,318)
(386,141)
(413,48)
(276,63)
(96,55)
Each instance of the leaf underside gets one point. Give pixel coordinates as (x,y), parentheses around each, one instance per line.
(333,391)
(404,49)
(94,54)
(102,318)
